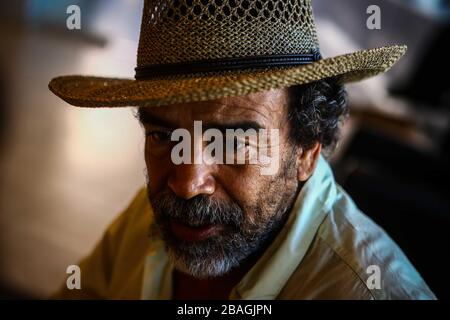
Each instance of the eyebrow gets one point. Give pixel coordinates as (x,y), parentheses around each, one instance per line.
(244,125)
(146,118)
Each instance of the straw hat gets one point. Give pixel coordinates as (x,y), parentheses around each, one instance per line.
(194,50)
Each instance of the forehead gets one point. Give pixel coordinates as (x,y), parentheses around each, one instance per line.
(266,108)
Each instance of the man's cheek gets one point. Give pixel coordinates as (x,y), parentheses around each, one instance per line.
(241,183)
(158,174)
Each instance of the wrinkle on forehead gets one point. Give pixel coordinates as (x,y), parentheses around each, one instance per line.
(266,106)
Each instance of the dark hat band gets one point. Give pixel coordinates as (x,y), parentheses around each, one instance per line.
(226,64)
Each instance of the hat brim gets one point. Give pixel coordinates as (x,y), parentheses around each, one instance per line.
(92,92)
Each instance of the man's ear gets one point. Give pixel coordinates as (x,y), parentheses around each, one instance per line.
(307,161)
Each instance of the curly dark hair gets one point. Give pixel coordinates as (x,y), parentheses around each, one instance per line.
(316,113)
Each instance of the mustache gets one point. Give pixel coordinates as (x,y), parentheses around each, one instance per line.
(199,210)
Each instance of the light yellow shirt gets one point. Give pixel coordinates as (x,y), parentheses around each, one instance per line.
(327,249)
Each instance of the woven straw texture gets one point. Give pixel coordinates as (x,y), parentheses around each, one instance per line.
(210,29)
(180,31)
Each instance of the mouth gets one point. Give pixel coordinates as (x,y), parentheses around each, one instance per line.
(191,233)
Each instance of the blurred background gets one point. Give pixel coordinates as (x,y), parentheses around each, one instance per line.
(66,172)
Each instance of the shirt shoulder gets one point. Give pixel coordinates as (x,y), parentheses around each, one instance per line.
(113,270)
(351,257)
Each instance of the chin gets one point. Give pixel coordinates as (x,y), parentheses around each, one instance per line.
(201,268)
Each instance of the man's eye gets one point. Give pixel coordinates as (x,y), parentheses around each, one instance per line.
(158,136)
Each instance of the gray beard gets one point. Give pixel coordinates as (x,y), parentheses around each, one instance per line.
(219,254)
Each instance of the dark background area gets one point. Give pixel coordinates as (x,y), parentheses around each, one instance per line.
(396,164)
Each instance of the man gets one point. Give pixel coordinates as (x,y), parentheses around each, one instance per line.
(209,226)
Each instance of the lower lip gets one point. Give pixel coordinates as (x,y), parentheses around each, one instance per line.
(193,234)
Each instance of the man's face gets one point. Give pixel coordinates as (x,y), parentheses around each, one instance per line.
(214,216)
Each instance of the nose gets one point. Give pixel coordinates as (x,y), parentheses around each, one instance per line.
(190,180)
